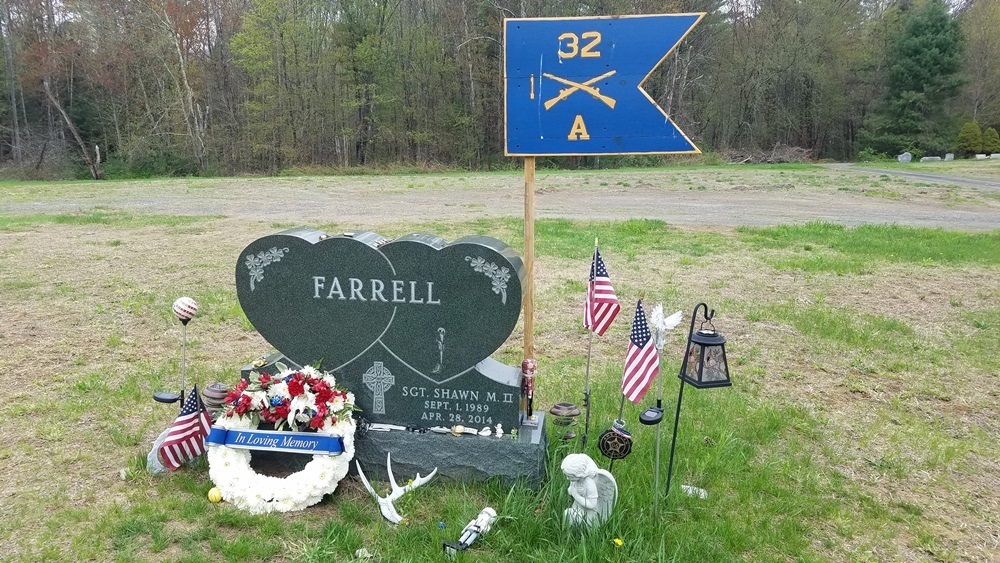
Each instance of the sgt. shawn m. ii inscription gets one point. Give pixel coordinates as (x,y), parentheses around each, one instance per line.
(409,325)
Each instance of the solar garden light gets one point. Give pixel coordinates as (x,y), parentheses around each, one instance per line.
(704,366)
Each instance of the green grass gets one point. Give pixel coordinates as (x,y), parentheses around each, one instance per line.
(564,238)
(825,247)
(847,428)
(98,216)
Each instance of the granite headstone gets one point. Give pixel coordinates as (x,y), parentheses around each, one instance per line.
(408,325)
(904,158)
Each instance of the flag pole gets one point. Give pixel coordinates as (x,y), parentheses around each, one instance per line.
(659,405)
(590,346)
(529,257)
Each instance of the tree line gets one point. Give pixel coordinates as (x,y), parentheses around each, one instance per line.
(160,87)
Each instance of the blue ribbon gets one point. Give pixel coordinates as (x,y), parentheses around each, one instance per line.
(269,440)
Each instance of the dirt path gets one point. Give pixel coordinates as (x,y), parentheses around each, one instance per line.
(701,196)
(920,176)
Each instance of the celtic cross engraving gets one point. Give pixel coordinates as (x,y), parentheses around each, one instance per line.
(379,380)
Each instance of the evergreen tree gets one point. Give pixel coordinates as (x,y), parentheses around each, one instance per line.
(970,139)
(922,78)
(991,141)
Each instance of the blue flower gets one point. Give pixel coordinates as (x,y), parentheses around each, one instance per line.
(275,401)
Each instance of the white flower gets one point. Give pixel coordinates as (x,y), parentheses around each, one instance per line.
(259,400)
(337,404)
(277,390)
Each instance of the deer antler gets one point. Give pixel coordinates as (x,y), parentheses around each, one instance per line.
(385,503)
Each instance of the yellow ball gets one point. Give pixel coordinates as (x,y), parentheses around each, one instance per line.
(215,495)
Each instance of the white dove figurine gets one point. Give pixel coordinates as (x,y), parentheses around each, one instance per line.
(662,324)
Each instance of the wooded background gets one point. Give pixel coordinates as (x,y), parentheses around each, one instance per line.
(161,87)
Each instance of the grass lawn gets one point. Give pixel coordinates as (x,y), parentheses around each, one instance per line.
(862,424)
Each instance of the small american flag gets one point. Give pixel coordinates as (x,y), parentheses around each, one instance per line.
(642,363)
(186,438)
(602,304)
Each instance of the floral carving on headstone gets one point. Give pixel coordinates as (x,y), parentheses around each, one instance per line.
(256,264)
(500,275)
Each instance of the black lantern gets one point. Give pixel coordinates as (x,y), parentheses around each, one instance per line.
(704,366)
(705,362)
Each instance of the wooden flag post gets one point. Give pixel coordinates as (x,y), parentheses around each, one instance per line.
(529,256)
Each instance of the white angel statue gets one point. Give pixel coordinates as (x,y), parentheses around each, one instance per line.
(592,489)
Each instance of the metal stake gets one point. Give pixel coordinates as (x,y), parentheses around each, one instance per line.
(184,339)
(673,442)
(590,346)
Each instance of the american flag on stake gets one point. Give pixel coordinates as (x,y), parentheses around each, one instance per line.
(642,363)
(602,304)
(186,438)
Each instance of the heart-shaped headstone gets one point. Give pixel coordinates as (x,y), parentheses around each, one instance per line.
(477,300)
(302,291)
(438,308)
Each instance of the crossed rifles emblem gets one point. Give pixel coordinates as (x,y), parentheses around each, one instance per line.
(586,86)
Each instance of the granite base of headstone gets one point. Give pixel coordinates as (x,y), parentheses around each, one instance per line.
(904,158)
(464,458)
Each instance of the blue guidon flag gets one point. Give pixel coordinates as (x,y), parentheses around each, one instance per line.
(574,86)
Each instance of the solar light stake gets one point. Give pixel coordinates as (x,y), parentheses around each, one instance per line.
(184,346)
(673,442)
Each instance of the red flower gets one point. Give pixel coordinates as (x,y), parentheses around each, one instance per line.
(234,395)
(281,411)
(265,381)
(316,422)
(324,396)
(295,387)
(244,404)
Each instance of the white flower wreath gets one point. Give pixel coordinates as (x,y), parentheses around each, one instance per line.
(241,485)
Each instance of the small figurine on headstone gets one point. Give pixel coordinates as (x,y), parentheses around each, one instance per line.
(592,489)
(528,367)
(499,431)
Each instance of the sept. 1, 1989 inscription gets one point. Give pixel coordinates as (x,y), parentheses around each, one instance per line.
(408,325)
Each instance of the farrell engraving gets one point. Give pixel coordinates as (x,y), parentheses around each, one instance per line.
(375,290)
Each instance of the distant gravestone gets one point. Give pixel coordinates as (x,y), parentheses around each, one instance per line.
(930,159)
(981,156)
(904,158)
(408,325)
(949,156)
(995,155)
